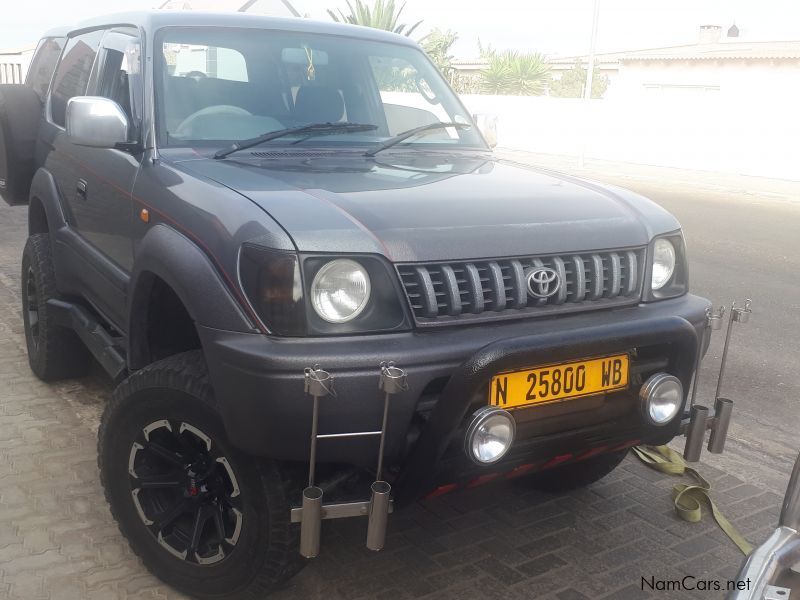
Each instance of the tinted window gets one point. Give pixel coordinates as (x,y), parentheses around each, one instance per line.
(199,61)
(215,85)
(72,74)
(43,64)
(119,78)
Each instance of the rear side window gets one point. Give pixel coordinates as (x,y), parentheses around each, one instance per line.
(43,64)
(72,73)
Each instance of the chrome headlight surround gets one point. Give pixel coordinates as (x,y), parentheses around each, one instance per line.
(677,283)
(490,435)
(382,311)
(661,398)
(340,290)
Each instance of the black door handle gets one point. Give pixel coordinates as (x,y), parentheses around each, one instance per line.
(82,189)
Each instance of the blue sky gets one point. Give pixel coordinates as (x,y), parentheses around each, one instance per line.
(550,26)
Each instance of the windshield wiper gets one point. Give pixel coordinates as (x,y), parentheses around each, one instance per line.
(310,129)
(401,137)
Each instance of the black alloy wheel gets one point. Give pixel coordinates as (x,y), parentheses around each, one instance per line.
(185,492)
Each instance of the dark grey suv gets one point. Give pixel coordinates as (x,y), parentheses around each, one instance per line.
(292,248)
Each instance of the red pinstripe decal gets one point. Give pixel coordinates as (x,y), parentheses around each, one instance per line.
(188,233)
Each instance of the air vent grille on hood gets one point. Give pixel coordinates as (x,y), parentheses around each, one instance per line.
(285,154)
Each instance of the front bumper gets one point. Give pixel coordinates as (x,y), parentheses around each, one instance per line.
(258,381)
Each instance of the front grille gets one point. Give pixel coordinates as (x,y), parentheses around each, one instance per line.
(440,293)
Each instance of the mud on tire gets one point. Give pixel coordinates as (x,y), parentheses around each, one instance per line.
(54,352)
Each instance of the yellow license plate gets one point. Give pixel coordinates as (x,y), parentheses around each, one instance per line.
(559,382)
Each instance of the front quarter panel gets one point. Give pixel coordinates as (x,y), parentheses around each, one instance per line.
(189,235)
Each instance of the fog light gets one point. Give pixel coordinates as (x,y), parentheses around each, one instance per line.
(661,397)
(490,435)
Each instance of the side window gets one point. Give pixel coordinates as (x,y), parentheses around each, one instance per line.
(72,73)
(43,64)
(119,78)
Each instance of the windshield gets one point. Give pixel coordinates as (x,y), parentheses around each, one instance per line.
(217,86)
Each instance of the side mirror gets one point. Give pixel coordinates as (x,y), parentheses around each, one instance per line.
(96,121)
(487,124)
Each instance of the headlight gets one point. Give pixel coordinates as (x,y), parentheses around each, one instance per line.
(271,281)
(663,263)
(661,397)
(490,435)
(340,290)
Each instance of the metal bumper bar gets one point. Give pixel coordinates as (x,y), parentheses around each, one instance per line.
(699,418)
(318,385)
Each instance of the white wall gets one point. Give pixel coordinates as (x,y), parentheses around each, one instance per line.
(754,135)
(13,67)
(739,81)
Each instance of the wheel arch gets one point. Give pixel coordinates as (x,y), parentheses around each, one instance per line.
(169,263)
(37,217)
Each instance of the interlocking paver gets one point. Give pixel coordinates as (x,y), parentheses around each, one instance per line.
(58,541)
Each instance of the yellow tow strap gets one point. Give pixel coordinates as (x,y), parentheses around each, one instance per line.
(689,499)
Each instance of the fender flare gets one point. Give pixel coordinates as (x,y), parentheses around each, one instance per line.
(45,191)
(166,254)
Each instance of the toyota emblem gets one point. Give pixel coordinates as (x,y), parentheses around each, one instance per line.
(543,282)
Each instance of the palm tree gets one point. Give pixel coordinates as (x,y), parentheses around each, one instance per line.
(383,15)
(437,46)
(515,74)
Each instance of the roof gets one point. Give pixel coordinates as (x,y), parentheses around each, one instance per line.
(478,63)
(255,6)
(720,51)
(730,50)
(156,19)
(17,51)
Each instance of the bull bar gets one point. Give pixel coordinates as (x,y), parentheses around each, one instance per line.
(392,380)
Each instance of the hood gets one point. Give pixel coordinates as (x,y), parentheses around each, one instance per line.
(430,208)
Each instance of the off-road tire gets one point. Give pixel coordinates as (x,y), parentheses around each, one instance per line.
(54,352)
(576,475)
(177,389)
(20,113)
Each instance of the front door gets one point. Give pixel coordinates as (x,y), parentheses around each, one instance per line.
(102,204)
(94,184)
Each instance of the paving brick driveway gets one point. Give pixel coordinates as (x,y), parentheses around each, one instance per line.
(57,539)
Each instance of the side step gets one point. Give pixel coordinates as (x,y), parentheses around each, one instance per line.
(96,338)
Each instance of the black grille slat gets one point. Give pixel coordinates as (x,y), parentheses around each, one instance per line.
(475,288)
(498,287)
(451,285)
(579,280)
(520,296)
(598,277)
(615,276)
(427,296)
(632,273)
(558,265)
(480,289)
